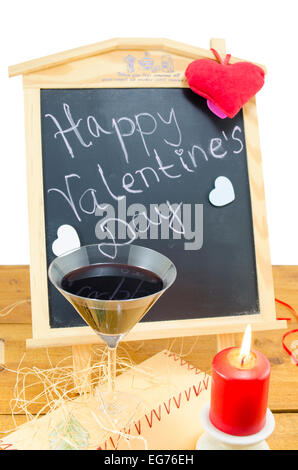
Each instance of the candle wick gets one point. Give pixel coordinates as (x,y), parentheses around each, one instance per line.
(243,360)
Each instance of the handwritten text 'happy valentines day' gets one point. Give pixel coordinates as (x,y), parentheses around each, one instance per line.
(136,220)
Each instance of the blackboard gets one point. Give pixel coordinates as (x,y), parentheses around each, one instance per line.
(107,149)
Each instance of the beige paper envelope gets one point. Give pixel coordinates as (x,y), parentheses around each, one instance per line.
(172,390)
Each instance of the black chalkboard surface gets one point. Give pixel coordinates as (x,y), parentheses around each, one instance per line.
(138,165)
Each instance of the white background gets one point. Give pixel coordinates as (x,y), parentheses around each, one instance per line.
(262,31)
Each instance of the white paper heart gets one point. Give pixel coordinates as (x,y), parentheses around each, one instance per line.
(67,239)
(223,192)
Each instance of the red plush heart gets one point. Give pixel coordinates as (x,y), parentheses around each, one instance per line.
(229,87)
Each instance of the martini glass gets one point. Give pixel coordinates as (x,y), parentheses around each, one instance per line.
(112,297)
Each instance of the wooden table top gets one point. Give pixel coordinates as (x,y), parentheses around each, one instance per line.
(15,328)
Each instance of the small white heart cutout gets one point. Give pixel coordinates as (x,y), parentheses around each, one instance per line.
(223,192)
(67,239)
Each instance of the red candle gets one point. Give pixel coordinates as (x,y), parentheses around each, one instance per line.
(239,391)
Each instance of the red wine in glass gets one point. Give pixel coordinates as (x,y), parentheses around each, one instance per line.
(112,297)
(111,282)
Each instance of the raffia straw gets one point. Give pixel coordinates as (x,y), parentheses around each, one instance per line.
(4,312)
(58,389)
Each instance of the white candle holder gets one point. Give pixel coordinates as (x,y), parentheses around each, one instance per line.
(214,439)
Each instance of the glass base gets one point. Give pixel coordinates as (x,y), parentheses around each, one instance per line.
(119,409)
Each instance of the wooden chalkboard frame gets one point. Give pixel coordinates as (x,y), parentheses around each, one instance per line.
(82,68)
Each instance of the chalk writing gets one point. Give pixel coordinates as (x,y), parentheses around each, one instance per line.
(169,161)
(143,125)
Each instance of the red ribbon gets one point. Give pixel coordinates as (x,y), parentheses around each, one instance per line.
(288,332)
(218,57)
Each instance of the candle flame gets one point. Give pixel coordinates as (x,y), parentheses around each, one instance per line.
(245,346)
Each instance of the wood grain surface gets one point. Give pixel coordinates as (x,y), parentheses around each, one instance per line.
(15,328)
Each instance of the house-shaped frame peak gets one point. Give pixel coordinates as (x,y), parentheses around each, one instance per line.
(110,45)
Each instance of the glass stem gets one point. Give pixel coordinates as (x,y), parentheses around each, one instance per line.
(112,354)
